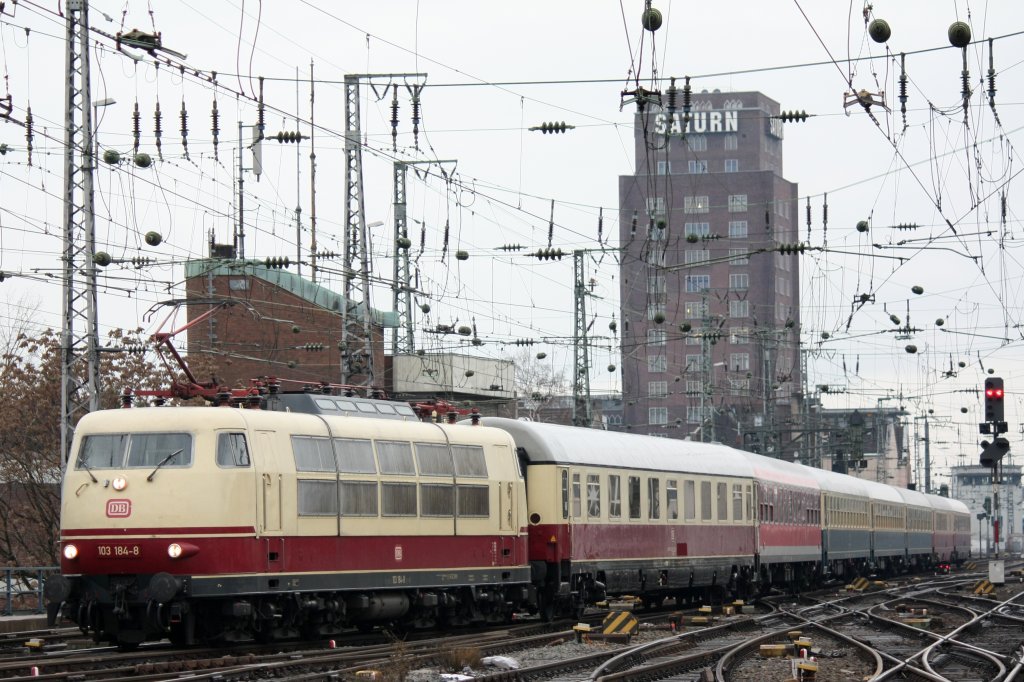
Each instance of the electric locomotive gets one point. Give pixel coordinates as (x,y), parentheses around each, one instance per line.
(219,524)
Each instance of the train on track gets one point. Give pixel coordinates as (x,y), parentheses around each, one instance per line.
(207,524)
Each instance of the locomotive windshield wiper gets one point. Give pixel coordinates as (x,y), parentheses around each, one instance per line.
(164,461)
(85,465)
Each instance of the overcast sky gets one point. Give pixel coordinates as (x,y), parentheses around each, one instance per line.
(495,69)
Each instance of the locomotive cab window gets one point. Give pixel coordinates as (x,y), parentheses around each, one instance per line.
(102,452)
(153,449)
(231,450)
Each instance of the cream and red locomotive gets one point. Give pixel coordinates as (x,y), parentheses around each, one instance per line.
(221,523)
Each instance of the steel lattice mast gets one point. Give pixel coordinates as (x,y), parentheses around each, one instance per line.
(80,367)
(401,299)
(356,349)
(581,410)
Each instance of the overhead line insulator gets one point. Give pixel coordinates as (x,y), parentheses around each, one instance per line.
(553,127)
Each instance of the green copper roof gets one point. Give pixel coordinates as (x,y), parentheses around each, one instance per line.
(289,281)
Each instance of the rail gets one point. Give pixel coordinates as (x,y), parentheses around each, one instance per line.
(22,584)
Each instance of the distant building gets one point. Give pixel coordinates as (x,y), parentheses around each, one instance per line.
(870,444)
(710,308)
(972,485)
(279,324)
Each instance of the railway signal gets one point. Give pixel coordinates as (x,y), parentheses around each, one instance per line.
(994,399)
(992,453)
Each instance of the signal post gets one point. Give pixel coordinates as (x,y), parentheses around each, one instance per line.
(992,454)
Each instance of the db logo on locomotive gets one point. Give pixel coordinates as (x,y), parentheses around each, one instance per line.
(117,509)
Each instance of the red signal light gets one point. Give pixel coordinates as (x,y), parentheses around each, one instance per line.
(994,393)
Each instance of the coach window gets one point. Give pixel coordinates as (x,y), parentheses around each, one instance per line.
(231,450)
(690,500)
(671,500)
(737,502)
(593,496)
(355,456)
(398,499)
(614,496)
(723,501)
(565,494)
(748,496)
(653,498)
(577,502)
(705,500)
(437,499)
(151,449)
(434,459)
(313,454)
(358,498)
(469,461)
(634,497)
(317,498)
(395,457)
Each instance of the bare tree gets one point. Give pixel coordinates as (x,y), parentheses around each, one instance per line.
(537,382)
(30,457)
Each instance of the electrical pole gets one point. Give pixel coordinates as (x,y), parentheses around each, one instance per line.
(402,288)
(581,409)
(80,330)
(357,366)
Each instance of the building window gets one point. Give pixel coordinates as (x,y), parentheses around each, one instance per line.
(739,335)
(697,143)
(693,387)
(664,168)
(697,256)
(692,310)
(697,283)
(692,363)
(655,206)
(657,363)
(696,204)
(739,309)
(739,362)
(657,415)
(737,203)
(655,257)
(731,143)
(656,337)
(698,166)
(656,229)
(657,389)
(739,257)
(692,340)
(697,229)
(732,165)
(739,386)
(739,281)
(737,228)
(782,286)
(656,306)
(238,284)
(693,414)
(656,283)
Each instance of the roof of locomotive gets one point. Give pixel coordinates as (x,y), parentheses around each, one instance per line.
(163,419)
(557,444)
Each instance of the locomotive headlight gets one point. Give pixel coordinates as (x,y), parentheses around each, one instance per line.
(181,550)
(70,552)
(119,483)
